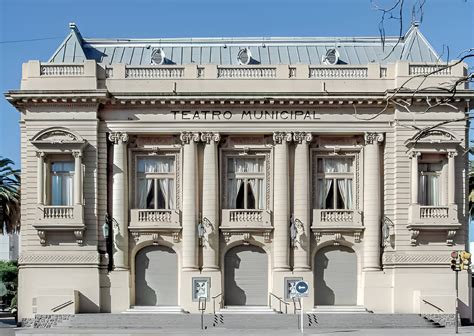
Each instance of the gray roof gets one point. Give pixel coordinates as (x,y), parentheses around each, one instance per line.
(265,50)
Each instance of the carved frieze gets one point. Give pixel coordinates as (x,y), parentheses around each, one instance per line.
(396,258)
(58,258)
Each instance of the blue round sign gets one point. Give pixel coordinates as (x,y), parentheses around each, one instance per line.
(302,287)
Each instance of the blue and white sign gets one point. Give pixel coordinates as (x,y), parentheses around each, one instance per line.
(302,289)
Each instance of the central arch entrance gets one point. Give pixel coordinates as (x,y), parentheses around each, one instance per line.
(246,276)
(156,277)
(335,276)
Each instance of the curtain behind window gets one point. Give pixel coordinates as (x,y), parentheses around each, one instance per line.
(62,183)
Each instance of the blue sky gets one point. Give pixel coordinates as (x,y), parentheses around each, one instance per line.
(445,23)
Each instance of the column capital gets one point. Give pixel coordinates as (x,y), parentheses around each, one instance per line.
(414,154)
(209,137)
(452,154)
(117,137)
(188,137)
(302,137)
(77,153)
(40,154)
(373,138)
(281,137)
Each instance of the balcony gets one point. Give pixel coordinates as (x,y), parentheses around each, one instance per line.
(60,218)
(433,218)
(156,220)
(337,223)
(245,221)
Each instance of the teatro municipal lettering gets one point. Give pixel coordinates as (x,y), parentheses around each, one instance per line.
(248,115)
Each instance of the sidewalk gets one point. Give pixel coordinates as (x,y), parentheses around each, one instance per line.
(251,332)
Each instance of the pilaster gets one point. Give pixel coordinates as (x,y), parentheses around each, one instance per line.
(189,214)
(301,205)
(372,201)
(281,223)
(120,200)
(210,203)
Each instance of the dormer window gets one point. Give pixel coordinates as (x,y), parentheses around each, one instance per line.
(244,57)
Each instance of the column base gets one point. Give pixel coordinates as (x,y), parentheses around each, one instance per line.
(190,269)
(371,269)
(211,269)
(281,269)
(301,269)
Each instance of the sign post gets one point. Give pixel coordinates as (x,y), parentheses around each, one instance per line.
(302,289)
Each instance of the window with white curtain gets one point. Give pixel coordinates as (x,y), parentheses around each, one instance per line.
(245,182)
(429,177)
(62,182)
(334,183)
(156,182)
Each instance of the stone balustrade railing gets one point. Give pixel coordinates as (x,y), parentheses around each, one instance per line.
(154,218)
(57,70)
(58,212)
(335,217)
(154,215)
(242,218)
(338,72)
(254,71)
(429,69)
(434,212)
(250,72)
(154,72)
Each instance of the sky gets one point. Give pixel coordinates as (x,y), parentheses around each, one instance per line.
(446,23)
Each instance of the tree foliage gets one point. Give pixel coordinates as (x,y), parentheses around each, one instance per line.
(9,197)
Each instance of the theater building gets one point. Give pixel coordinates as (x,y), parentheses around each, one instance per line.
(158,171)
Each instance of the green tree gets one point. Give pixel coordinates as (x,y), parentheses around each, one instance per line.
(9,197)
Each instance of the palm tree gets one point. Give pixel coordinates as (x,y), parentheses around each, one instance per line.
(9,197)
(471,188)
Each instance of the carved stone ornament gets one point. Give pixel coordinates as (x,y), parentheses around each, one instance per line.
(57,136)
(208,137)
(282,137)
(116,137)
(188,137)
(414,237)
(77,154)
(373,138)
(302,137)
(414,154)
(452,154)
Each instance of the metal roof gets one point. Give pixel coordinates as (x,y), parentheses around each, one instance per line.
(412,47)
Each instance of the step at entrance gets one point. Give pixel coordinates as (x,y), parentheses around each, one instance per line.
(155,310)
(247,310)
(338,309)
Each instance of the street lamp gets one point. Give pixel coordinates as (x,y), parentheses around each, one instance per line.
(105,227)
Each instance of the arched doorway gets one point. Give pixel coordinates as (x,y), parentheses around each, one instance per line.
(156,277)
(246,276)
(335,276)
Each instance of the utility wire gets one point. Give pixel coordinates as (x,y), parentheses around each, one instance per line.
(32,40)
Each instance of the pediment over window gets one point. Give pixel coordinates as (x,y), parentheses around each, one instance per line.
(435,135)
(58,137)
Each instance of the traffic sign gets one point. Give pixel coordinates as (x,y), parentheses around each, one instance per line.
(302,289)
